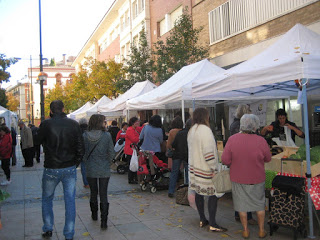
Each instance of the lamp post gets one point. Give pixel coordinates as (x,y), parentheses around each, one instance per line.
(42,76)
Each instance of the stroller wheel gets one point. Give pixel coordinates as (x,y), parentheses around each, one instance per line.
(121,169)
(143,187)
(153,189)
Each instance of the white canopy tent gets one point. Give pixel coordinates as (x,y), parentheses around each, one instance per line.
(115,108)
(80,110)
(177,89)
(94,109)
(296,55)
(10,118)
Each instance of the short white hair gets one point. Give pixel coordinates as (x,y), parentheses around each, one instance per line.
(249,123)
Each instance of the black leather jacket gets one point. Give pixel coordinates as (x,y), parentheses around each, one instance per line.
(62,142)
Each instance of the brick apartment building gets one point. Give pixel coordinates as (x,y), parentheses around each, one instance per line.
(234,30)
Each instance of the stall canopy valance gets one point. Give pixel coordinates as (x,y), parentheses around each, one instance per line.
(80,110)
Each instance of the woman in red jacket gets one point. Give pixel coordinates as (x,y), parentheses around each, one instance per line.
(5,152)
(132,136)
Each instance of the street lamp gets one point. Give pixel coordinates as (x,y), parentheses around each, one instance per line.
(42,77)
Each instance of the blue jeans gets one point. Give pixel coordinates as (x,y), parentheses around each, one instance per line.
(50,180)
(176,163)
(83,173)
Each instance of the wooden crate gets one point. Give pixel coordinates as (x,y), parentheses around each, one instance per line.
(290,166)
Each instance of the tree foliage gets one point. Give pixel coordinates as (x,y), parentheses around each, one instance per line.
(181,48)
(3,98)
(52,62)
(4,64)
(139,65)
(13,102)
(93,80)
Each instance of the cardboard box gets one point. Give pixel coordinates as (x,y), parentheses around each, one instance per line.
(291,166)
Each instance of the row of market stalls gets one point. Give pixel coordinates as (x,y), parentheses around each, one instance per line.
(288,68)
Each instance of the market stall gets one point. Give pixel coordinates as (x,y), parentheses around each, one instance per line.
(115,107)
(94,109)
(289,67)
(80,110)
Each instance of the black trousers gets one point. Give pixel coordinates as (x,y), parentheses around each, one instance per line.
(132,176)
(98,186)
(28,156)
(37,152)
(212,208)
(5,165)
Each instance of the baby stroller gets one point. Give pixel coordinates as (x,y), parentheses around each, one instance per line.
(119,159)
(161,177)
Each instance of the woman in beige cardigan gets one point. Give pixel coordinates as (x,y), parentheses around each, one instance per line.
(203,164)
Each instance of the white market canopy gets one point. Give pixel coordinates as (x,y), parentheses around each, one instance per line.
(94,109)
(295,55)
(116,107)
(10,118)
(80,110)
(175,89)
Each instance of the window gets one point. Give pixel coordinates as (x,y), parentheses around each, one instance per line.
(135,9)
(58,78)
(169,20)
(141,5)
(234,16)
(136,41)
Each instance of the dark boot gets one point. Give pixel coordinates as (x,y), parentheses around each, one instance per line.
(94,210)
(104,208)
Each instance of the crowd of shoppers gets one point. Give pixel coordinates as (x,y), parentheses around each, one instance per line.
(193,148)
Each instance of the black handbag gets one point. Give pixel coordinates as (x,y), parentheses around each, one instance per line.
(290,185)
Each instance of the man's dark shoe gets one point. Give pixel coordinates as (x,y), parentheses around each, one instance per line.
(47,234)
(69,238)
(170,195)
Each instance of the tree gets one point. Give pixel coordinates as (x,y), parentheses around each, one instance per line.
(3,98)
(93,80)
(13,102)
(52,62)
(140,64)
(180,48)
(4,64)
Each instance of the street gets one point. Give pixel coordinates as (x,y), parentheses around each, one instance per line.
(133,214)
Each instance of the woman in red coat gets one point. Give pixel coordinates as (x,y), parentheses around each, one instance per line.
(5,152)
(132,136)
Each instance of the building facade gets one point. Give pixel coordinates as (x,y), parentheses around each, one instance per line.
(27,91)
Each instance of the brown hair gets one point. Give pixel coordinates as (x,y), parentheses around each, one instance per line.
(96,122)
(201,116)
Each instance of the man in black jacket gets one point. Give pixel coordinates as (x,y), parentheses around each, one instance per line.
(63,147)
(113,130)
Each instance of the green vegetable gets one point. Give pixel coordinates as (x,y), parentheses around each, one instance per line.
(302,151)
(315,154)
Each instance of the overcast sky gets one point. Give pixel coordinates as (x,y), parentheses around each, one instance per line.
(66,26)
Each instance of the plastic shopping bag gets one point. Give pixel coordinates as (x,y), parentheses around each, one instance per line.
(134,165)
(285,139)
(119,145)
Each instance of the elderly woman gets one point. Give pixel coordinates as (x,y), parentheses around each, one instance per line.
(245,153)
(203,165)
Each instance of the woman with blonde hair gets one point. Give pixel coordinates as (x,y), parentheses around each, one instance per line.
(203,165)
(245,153)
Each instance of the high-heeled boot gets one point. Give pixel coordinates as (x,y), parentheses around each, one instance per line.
(94,210)
(104,208)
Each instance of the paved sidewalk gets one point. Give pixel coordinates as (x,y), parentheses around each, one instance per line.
(133,214)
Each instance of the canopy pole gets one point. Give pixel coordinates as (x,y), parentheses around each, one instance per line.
(128,115)
(307,142)
(193,104)
(290,109)
(182,112)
